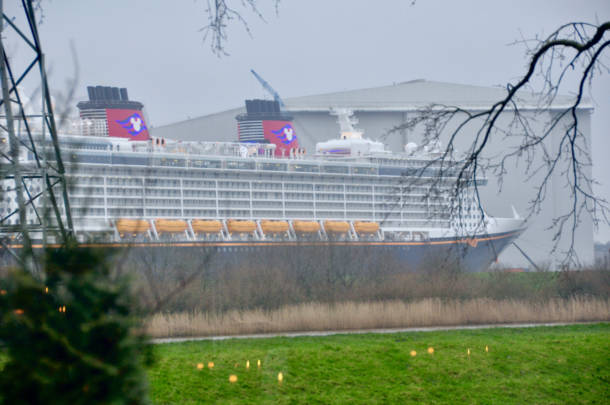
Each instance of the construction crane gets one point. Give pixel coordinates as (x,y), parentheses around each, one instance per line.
(268,87)
(276,97)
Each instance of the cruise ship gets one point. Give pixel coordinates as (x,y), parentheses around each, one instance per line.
(263,194)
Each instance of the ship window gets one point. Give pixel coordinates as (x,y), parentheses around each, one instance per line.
(129,160)
(210,164)
(273,166)
(305,168)
(232,164)
(82,158)
(173,162)
(364,170)
(396,171)
(335,169)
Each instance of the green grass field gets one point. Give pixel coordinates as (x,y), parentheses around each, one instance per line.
(541,365)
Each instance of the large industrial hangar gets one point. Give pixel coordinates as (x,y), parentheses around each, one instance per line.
(381,108)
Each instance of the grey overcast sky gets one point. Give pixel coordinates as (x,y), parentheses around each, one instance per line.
(155,49)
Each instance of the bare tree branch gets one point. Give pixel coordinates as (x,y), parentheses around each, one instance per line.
(220,14)
(575,48)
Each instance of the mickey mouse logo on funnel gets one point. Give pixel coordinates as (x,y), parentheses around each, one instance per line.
(126,124)
(281,134)
(134,124)
(286,134)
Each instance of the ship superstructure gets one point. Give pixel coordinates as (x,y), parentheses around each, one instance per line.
(352,191)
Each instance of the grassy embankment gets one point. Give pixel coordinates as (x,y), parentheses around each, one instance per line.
(568,364)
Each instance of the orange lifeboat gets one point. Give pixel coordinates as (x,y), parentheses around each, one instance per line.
(206,226)
(170,225)
(306,226)
(132,225)
(336,226)
(366,227)
(236,226)
(274,226)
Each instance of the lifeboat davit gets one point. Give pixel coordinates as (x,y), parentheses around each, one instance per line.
(274,226)
(170,225)
(336,226)
(236,226)
(132,225)
(206,226)
(306,226)
(366,227)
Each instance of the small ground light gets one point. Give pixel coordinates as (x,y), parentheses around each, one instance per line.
(258,363)
(2,292)
(46,290)
(232,378)
(413,353)
(211,364)
(247,363)
(199,366)
(468,351)
(486,349)
(18,311)
(280,377)
(431,350)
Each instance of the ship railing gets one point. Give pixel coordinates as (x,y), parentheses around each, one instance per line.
(406,235)
(130,238)
(377,236)
(174,237)
(209,237)
(244,236)
(235,149)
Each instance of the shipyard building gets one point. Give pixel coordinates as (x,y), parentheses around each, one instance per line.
(380,109)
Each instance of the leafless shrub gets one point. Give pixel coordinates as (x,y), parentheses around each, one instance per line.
(294,276)
(594,283)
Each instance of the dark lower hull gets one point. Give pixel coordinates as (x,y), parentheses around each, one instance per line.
(469,255)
